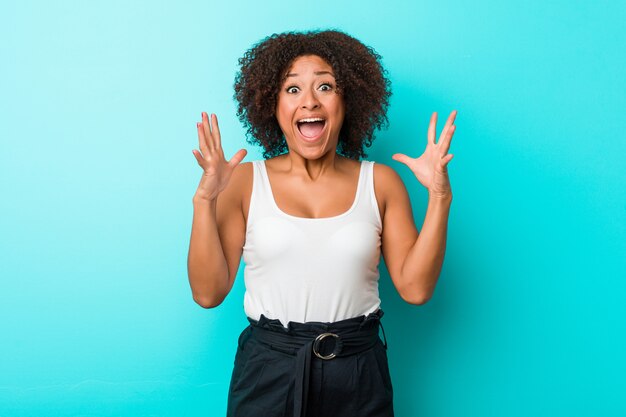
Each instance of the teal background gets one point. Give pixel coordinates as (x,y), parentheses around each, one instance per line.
(98,105)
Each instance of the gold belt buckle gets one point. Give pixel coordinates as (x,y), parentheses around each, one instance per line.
(317,341)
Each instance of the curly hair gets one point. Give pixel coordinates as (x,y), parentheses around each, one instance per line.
(359,74)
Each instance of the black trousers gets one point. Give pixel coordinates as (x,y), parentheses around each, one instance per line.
(311,369)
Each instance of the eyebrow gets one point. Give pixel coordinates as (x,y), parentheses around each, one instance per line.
(316,73)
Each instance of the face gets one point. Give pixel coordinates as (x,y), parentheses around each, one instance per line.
(310,111)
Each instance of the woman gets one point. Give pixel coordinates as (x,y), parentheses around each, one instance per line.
(311,222)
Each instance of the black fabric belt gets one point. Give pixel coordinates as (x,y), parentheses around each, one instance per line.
(314,339)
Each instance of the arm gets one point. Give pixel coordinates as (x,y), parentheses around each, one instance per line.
(415,260)
(217,239)
(423,263)
(206,263)
(218,229)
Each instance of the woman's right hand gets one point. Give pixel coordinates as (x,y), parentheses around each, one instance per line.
(217,171)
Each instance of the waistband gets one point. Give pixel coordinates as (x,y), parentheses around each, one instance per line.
(350,336)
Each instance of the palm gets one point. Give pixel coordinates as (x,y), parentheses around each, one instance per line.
(430,168)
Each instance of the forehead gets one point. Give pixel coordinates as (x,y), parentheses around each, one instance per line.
(306,64)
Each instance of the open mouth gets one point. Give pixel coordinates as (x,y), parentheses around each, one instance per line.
(311,128)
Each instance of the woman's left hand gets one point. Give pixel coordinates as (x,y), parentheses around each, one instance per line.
(431,167)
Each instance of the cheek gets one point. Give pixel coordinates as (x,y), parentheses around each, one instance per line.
(340,114)
(284,120)
(284,109)
(281,115)
(340,108)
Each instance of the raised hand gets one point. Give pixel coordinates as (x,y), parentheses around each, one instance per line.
(431,167)
(217,171)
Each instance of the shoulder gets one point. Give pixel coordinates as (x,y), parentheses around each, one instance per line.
(387,182)
(388,186)
(242,172)
(240,183)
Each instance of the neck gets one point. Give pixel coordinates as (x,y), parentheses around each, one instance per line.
(296,165)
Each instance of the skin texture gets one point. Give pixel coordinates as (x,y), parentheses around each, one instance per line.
(313,180)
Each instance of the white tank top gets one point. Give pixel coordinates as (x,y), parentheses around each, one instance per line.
(302,269)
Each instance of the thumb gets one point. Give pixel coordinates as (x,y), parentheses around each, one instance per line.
(400,157)
(238,157)
(198,157)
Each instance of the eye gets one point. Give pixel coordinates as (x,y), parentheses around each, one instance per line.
(292,89)
(326,87)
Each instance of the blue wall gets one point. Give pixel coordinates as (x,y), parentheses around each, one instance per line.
(98,104)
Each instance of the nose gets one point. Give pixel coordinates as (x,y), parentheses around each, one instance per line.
(310,100)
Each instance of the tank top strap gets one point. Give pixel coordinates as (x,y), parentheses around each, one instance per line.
(368,194)
(260,199)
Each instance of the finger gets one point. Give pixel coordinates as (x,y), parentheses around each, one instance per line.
(216,132)
(446,159)
(445,144)
(401,158)
(201,139)
(452,116)
(449,123)
(238,157)
(198,157)
(432,128)
(207,132)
